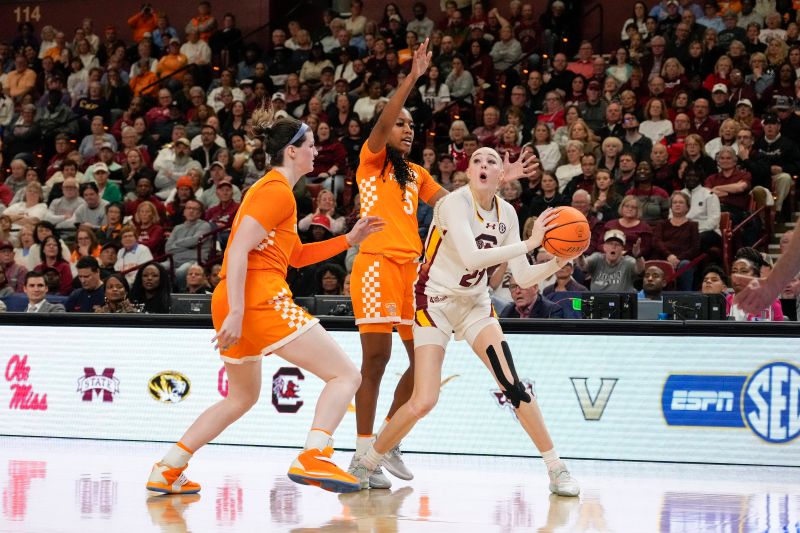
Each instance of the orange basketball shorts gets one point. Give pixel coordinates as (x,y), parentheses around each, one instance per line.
(271,318)
(382,290)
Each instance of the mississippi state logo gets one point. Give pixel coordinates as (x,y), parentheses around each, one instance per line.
(286,389)
(502,401)
(92,385)
(169,387)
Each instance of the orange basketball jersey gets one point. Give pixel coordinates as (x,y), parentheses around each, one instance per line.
(380,196)
(270,201)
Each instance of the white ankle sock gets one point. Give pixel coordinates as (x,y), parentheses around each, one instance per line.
(372,459)
(363,444)
(176,457)
(551,459)
(318,439)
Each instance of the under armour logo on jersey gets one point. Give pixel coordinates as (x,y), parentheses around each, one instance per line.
(491,225)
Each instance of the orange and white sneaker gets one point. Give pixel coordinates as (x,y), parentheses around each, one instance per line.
(170,480)
(314,467)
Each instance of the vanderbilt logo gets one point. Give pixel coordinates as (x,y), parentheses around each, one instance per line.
(593,408)
(169,387)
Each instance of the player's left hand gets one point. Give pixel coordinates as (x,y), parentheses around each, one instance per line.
(365,227)
(526,165)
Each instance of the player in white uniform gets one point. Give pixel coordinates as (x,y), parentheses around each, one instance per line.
(473,230)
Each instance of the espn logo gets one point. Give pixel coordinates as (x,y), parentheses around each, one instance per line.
(702,400)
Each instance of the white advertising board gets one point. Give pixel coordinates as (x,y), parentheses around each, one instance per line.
(689,399)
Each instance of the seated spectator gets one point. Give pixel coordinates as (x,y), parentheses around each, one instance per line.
(748,263)
(605,198)
(64,208)
(564,282)
(116,291)
(582,201)
(782,155)
(653,200)
(42,229)
(51,257)
(13,272)
(151,289)
(490,132)
(656,125)
(630,223)
(185,239)
(572,166)
(727,137)
(459,81)
(96,138)
(91,295)
(326,207)
(694,153)
(330,279)
(108,258)
(86,245)
(196,282)
(108,190)
(549,151)
(36,290)
(143,193)
(678,239)
(731,185)
(652,284)
(110,231)
(132,254)
(330,165)
(715,281)
(546,196)
(611,270)
(703,124)
(214,279)
(92,212)
(217,175)
(365,106)
(528,303)
(30,210)
(151,232)
(633,141)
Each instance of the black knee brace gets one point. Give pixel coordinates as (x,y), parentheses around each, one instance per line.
(515,392)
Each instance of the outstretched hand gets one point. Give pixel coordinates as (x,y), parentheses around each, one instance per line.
(421,60)
(526,164)
(365,227)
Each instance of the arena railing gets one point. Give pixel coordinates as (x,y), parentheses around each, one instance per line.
(696,328)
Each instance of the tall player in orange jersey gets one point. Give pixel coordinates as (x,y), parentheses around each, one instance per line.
(385,269)
(254,315)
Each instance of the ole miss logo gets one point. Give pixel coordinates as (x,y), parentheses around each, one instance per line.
(286,389)
(92,385)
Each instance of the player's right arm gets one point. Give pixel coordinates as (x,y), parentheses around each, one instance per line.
(452,216)
(249,233)
(380,133)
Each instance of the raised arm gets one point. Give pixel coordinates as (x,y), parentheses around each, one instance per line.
(380,133)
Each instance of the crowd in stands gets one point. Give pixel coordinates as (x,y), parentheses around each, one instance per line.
(125,161)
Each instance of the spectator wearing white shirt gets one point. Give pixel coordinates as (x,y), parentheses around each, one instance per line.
(132,254)
(656,125)
(195,49)
(703,209)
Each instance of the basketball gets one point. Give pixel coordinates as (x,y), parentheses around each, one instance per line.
(571,235)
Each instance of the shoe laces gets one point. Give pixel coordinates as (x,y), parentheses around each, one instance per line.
(395,452)
(562,476)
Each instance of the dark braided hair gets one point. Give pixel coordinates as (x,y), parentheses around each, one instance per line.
(402,172)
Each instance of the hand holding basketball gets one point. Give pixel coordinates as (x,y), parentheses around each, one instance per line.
(569,234)
(540,227)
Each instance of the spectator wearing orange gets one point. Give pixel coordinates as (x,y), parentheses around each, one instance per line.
(173,60)
(204,22)
(142,22)
(20,81)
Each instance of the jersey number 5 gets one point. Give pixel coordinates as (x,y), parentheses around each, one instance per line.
(408,207)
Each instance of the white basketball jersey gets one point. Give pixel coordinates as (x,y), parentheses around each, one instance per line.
(444,272)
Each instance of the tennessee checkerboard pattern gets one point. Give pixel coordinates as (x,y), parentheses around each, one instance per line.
(371,292)
(294,315)
(369,194)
